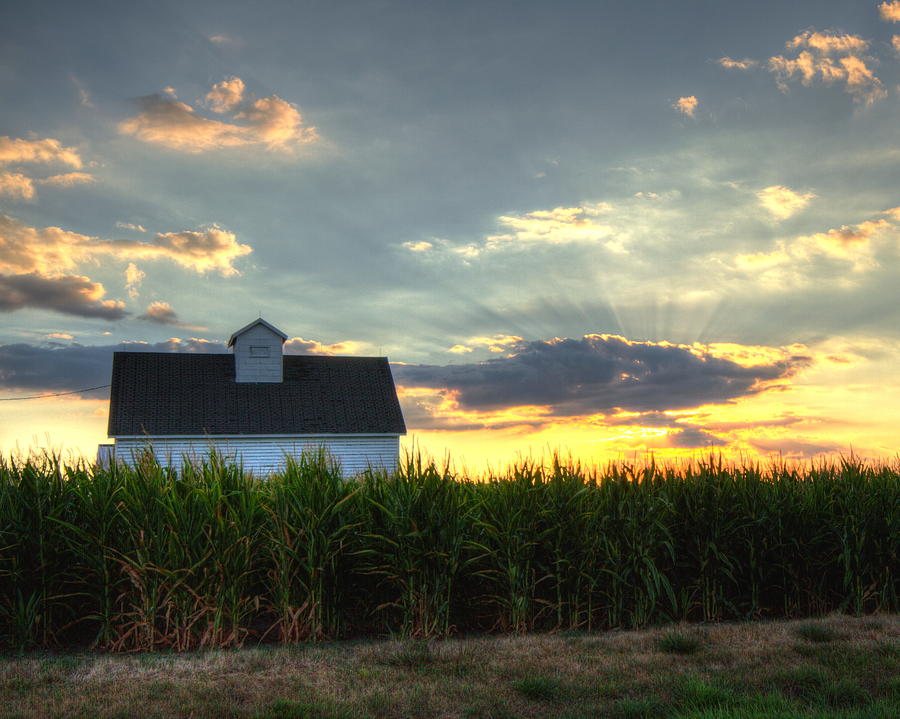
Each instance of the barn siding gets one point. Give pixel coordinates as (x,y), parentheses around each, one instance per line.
(267,454)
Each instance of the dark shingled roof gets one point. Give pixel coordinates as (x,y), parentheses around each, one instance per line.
(159,393)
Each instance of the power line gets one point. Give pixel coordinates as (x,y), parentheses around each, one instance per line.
(55,394)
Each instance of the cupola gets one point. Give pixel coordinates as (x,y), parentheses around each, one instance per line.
(258,352)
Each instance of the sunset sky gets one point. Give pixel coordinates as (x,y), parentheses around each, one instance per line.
(604,227)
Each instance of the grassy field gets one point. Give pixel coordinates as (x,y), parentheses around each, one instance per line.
(833,668)
(149,558)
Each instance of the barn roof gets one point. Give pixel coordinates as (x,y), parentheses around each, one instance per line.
(156,393)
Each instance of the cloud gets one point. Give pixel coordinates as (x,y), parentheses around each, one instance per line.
(203,251)
(561,225)
(68,179)
(70,367)
(268,121)
(693,438)
(52,249)
(789,263)
(28,152)
(782,201)
(421,246)
(497,343)
(16,185)
(223,40)
(18,151)
(460,349)
(131,226)
(225,95)
(599,373)
(890,11)
(161,313)
(300,346)
(69,294)
(828,43)
(815,61)
(133,279)
(686,105)
(52,367)
(730,64)
(793,448)
(60,336)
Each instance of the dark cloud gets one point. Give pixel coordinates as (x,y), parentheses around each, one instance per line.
(55,368)
(69,294)
(598,374)
(693,438)
(793,447)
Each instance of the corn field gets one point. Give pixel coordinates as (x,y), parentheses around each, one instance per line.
(147,557)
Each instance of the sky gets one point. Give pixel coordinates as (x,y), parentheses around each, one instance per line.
(606,228)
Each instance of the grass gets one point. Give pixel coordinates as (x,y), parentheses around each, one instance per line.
(745,671)
(679,642)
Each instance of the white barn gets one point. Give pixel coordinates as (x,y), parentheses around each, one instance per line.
(256,405)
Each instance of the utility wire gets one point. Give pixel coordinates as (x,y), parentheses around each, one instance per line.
(56,394)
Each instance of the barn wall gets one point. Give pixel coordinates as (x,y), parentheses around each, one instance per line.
(267,454)
(250,368)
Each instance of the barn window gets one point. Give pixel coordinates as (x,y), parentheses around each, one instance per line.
(259,351)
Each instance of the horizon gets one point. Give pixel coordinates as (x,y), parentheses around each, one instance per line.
(615,228)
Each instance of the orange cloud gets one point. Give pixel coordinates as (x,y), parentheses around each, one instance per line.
(298,345)
(225,95)
(269,121)
(52,249)
(68,179)
(16,185)
(890,11)
(497,343)
(815,61)
(851,244)
(730,64)
(160,313)
(782,201)
(686,105)
(827,43)
(48,150)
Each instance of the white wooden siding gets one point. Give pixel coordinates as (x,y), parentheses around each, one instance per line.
(267,454)
(249,368)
